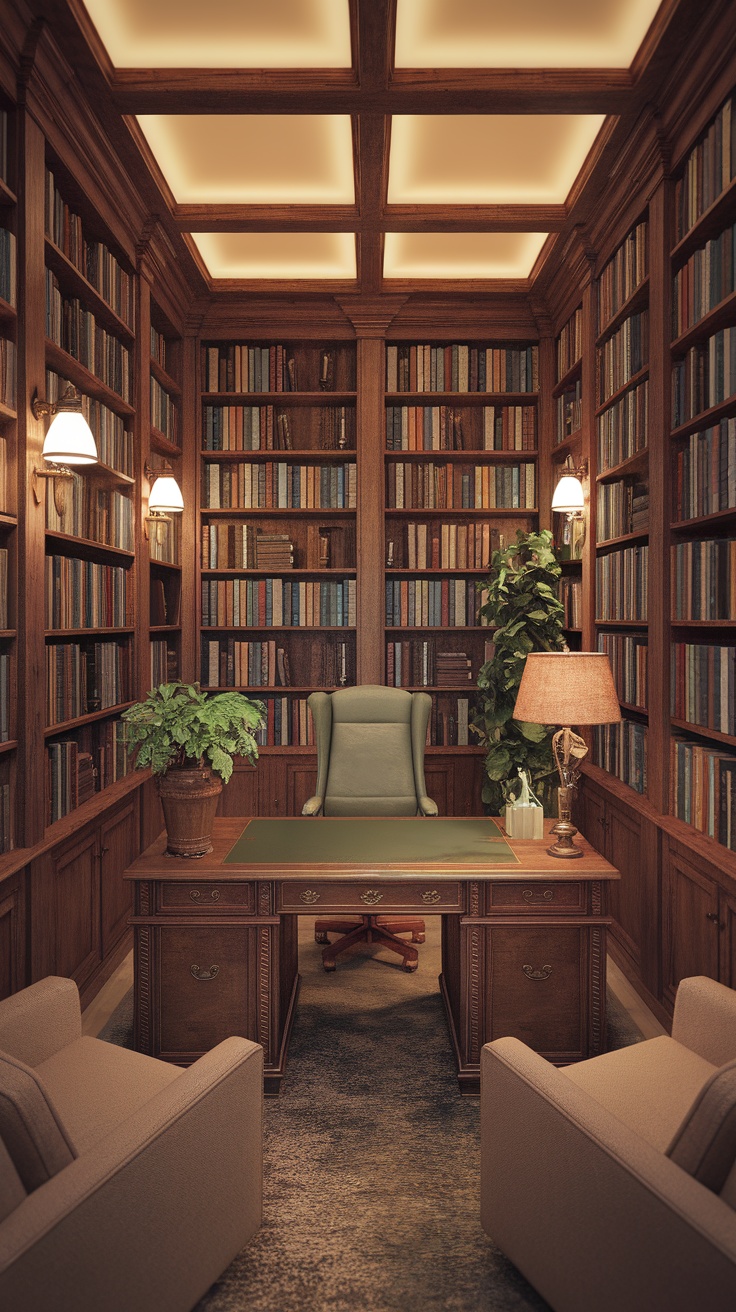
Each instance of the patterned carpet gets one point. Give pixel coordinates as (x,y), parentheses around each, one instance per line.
(371,1174)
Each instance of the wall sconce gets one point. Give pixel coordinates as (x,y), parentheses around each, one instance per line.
(568,498)
(68,442)
(164,499)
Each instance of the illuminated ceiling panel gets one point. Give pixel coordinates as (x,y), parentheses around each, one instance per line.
(224,33)
(506,159)
(275,159)
(461,254)
(282,255)
(525,34)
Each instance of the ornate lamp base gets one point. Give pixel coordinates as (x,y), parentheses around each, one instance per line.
(564,830)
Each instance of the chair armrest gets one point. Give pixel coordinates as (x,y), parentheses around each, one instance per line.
(151,1215)
(313,806)
(427,806)
(40,1020)
(705,1019)
(593,1215)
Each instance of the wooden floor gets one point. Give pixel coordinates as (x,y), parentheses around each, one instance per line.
(103,1005)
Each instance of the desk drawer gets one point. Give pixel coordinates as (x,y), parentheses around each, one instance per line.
(374,896)
(536,896)
(206,895)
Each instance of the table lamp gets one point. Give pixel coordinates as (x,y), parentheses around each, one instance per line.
(567,687)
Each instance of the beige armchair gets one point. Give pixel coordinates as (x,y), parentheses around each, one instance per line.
(370,761)
(125,1182)
(611,1184)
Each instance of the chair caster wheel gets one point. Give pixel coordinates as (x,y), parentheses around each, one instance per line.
(411,965)
(418,938)
(321,938)
(329,966)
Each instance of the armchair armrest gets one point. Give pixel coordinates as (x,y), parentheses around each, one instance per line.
(427,806)
(313,806)
(183,1174)
(705,1019)
(593,1215)
(40,1020)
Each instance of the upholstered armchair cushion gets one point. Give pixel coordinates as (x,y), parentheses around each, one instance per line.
(30,1128)
(705,1144)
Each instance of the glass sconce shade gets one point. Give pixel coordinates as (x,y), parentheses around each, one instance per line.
(69,440)
(165,497)
(568,495)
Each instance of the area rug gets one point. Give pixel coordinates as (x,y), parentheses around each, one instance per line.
(371,1155)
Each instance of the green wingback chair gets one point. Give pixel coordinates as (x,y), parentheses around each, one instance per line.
(370,761)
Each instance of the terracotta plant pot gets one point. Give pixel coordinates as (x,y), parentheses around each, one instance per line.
(189,798)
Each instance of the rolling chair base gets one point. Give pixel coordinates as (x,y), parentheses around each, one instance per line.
(370,929)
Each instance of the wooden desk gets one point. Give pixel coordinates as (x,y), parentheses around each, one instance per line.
(523,944)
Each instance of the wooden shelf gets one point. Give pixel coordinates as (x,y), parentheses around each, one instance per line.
(638,300)
(636,710)
(633,382)
(466,456)
(567,444)
(108,474)
(163,444)
(7,196)
(7,412)
(62,363)
(168,383)
(706,418)
(476,512)
(280,399)
(238,457)
(53,731)
(631,465)
(87,546)
(89,633)
(8,521)
(165,564)
(701,732)
(8,312)
(8,634)
(422,399)
(713,520)
(277,628)
(703,624)
(444,570)
(9,746)
(622,624)
(710,224)
(332,571)
(73,282)
(721,316)
(641,536)
(571,376)
(289,511)
(165,628)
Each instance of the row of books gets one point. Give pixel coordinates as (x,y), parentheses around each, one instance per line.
(165,599)
(77,332)
(704,579)
(227,663)
(709,168)
(570,343)
(268,428)
(5,698)
(462,368)
(434,603)
(164,542)
(708,278)
(705,377)
(70,778)
(449,722)
(621,749)
(89,511)
(93,259)
(623,427)
(445,428)
(703,790)
(82,594)
(571,596)
(4,161)
(288,723)
(164,412)
(443,546)
(460,487)
(628,654)
(705,471)
(623,507)
(241,367)
(569,411)
(113,440)
(417,663)
(164,662)
(8,267)
(4,506)
(158,348)
(3,588)
(703,685)
(8,372)
(625,271)
(621,584)
(623,355)
(235,545)
(85,677)
(258,603)
(278,485)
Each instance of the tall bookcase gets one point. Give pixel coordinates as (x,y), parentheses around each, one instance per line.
(165,537)
(568,444)
(8,478)
(460,478)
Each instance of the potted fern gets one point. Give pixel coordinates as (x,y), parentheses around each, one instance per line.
(523,602)
(189,739)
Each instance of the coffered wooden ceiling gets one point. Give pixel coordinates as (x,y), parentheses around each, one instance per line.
(373,144)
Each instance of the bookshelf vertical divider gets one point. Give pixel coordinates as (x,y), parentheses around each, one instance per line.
(370,555)
(143,447)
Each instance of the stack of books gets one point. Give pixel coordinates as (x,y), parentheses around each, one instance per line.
(453,669)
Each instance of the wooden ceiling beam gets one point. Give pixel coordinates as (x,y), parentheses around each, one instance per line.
(391,218)
(337,91)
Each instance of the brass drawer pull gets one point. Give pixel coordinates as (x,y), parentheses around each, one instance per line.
(195,894)
(371,897)
(309,896)
(212,973)
(431,896)
(538,895)
(531,973)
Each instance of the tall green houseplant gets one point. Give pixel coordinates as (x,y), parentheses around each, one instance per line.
(522,600)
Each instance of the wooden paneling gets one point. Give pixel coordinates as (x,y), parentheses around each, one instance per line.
(119,839)
(76,909)
(12,934)
(690,923)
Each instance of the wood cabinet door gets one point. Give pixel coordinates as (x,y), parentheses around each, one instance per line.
(728,940)
(240,794)
(626,896)
(590,815)
(119,846)
(690,923)
(12,935)
(208,987)
(76,908)
(536,988)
